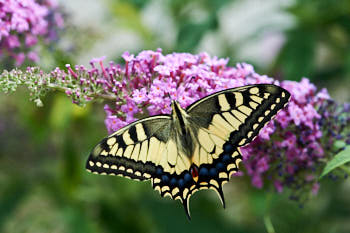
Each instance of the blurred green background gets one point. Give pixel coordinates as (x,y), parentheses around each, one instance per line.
(43,184)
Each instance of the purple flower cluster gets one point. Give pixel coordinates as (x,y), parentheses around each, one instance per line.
(22,23)
(151,80)
(294,153)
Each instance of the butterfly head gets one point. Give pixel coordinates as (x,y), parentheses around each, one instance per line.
(177,110)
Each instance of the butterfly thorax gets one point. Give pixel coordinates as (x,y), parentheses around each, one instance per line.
(183,133)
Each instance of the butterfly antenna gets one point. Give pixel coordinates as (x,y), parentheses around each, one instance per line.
(168,95)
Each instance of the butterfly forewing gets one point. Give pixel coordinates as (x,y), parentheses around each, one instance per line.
(133,151)
(238,114)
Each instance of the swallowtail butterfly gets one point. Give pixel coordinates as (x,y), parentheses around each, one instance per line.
(193,148)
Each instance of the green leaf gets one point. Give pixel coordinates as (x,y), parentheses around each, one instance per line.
(338,160)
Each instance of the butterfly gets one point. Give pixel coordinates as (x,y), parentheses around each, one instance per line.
(190,149)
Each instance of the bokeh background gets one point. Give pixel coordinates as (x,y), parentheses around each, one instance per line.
(43,184)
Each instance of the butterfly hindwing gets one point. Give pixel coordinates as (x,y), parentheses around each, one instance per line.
(210,176)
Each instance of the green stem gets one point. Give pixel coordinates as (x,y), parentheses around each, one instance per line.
(93,95)
(22,81)
(268,224)
(267,218)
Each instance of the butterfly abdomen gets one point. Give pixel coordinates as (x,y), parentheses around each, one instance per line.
(183,132)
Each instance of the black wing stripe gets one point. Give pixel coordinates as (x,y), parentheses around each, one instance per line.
(122,166)
(133,134)
(231,99)
(120,141)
